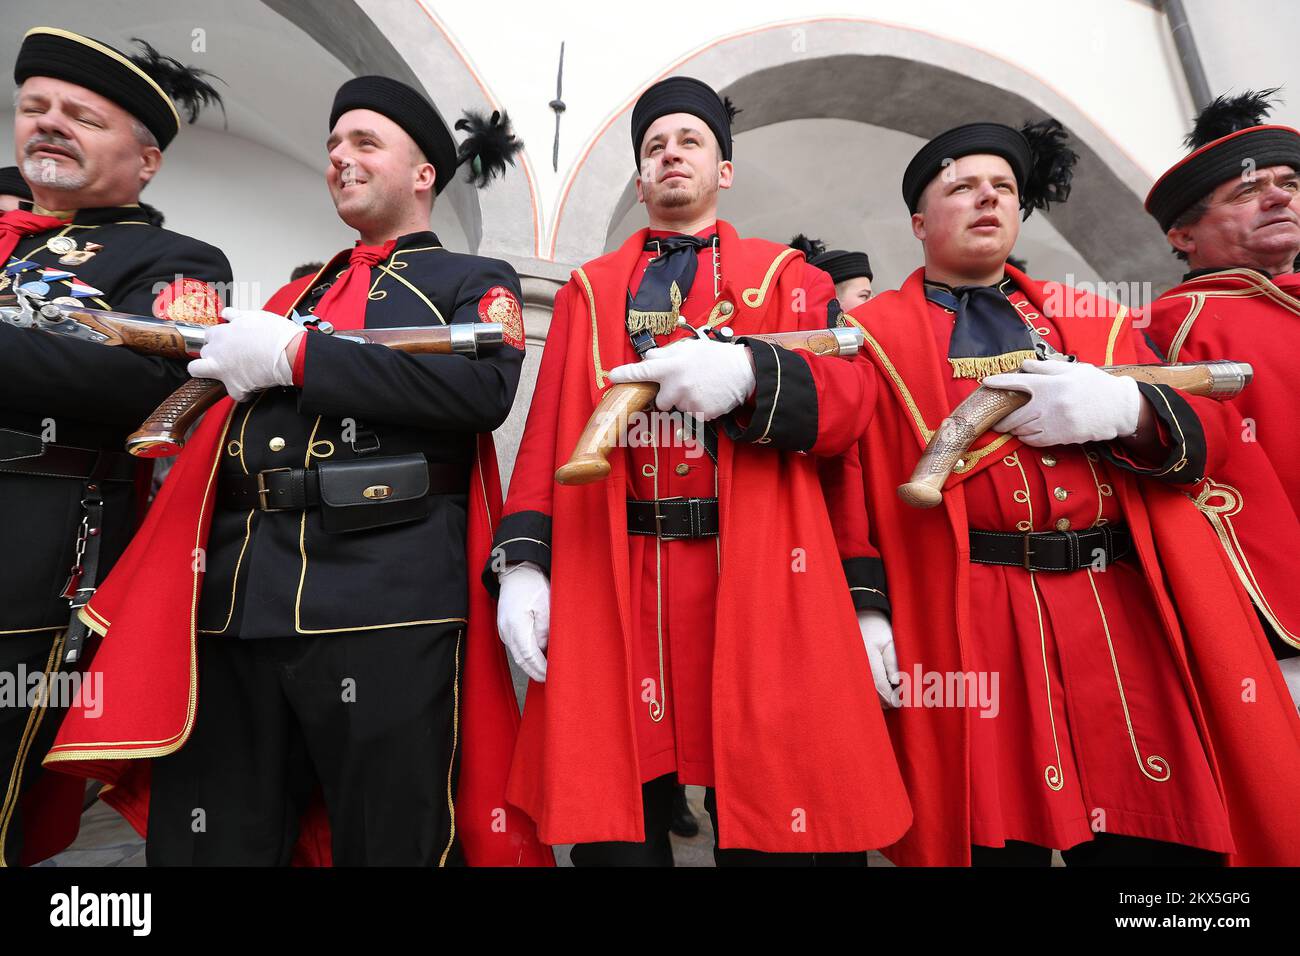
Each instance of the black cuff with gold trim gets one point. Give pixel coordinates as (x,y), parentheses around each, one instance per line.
(1185,463)
(522,536)
(866,577)
(785,400)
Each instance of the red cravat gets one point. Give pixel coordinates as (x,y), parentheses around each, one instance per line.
(344,305)
(17,223)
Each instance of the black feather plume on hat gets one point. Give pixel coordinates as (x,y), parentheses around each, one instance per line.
(1230,114)
(490,145)
(184,84)
(1052,169)
(809,247)
(732,110)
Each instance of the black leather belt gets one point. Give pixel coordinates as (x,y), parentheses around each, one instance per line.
(295,489)
(25,454)
(673,517)
(1051,550)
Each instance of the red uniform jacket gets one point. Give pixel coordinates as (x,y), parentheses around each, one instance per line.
(1242,707)
(1253,500)
(145,612)
(802,762)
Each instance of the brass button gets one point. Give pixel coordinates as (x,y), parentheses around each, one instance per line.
(1062,524)
(276,444)
(1060,493)
(1049,461)
(726,308)
(683,469)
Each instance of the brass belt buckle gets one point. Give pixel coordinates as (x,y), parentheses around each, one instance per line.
(659,518)
(263,491)
(1028,552)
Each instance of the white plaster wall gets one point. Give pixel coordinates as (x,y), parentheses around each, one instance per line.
(1250,44)
(1112,58)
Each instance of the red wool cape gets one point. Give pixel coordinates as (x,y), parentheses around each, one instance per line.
(1238,698)
(1252,500)
(801,757)
(146,609)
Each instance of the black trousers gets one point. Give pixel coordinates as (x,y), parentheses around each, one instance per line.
(1105,849)
(657,850)
(28,724)
(370,718)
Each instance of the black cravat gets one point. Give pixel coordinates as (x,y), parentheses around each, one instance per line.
(667,281)
(988,334)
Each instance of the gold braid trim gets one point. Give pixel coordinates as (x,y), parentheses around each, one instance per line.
(1120,314)
(754,297)
(1185,329)
(595,332)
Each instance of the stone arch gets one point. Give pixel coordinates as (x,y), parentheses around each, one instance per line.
(408,43)
(896,78)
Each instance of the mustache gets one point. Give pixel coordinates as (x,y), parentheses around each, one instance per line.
(51,139)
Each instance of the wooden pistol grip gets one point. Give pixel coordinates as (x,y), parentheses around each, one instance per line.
(163,433)
(590,459)
(986,406)
(816,341)
(982,409)
(151,338)
(608,422)
(434,341)
(1192,379)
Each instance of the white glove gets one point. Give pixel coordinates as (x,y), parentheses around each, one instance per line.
(247,352)
(524,616)
(699,376)
(1291,674)
(1071,403)
(878,637)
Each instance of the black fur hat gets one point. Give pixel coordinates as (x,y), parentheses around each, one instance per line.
(148,84)
(1229,137)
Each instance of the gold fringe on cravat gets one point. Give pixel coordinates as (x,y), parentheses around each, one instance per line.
(658,323)
(980,365)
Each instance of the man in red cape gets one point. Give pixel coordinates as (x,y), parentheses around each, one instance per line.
(356,705)
(1068,663)
(1229,210)
(687,618)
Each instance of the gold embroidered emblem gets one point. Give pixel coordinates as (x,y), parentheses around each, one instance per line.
(499,305)
(188,300)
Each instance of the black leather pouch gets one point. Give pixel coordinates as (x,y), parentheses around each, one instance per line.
(373,492)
